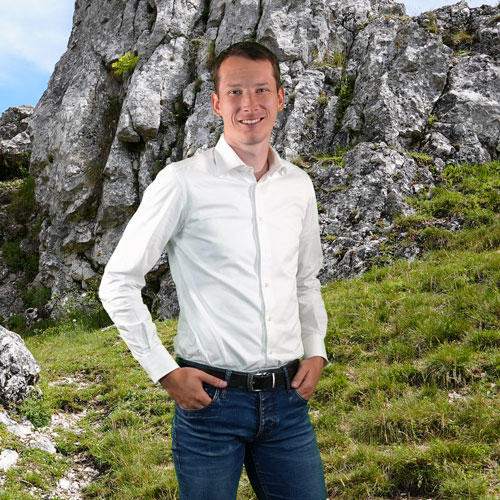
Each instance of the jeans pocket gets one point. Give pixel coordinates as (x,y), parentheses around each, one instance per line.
(212,392)
(299,397)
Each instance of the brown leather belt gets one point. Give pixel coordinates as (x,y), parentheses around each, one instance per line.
(264,380)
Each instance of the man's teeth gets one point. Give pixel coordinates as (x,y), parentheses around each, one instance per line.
(250,122)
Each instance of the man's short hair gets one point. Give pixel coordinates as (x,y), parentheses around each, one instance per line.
(249,50)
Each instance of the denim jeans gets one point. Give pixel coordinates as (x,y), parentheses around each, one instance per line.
(270,432)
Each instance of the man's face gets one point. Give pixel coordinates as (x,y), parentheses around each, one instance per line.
(247,100)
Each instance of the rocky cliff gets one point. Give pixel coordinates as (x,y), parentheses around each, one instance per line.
(359,76)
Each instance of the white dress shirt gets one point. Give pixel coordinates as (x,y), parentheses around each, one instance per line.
(244,256)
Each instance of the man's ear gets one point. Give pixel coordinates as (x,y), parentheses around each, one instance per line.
(281,98)
(216,104)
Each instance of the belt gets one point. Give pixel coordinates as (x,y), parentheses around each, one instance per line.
(259,381)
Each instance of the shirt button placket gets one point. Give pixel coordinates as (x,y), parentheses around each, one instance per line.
(265,267)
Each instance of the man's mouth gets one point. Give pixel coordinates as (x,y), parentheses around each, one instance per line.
(251,122)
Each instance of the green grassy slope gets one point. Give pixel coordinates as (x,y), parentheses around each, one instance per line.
(408,405)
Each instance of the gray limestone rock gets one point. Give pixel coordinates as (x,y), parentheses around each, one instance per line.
(354,72)
(14,121)
(19,370)
(15,144)
(358,202)
(8,458)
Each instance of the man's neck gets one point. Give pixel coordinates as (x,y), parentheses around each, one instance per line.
(254,156)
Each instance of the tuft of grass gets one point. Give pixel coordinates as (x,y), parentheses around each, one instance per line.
(431,24)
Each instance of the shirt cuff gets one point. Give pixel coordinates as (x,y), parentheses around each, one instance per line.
(314,345)
(158,362)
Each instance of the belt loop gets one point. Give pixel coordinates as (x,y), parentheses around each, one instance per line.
(223,392)
(287,378)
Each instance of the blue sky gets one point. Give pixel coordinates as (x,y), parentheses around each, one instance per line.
(34,35)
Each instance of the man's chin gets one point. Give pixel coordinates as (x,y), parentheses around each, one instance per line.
(253,139)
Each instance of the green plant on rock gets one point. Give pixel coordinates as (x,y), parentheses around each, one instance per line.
(432,25)
(18,259)
(23,205)
(345,92)
(455,38)
(127,62)
(323,99)
(336,59)
(431,120)
(422,159)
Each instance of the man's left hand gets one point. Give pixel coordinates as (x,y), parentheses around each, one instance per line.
(307,376)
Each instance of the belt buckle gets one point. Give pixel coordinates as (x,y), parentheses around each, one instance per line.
(250,380)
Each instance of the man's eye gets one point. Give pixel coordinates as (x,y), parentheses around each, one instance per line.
(261,90)
(235,92)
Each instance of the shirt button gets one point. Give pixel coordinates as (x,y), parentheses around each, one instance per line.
(267,284)
(260,218)
(269,318)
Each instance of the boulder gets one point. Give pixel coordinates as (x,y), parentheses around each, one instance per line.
(19,370)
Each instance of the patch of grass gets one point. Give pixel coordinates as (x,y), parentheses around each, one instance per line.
(408,406)
(458,37)
(345,92)
(18,259)
(23,205)
(335,59)
(431,24)
(336,157)
(469,191)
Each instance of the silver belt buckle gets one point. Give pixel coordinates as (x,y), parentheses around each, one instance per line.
(251,376)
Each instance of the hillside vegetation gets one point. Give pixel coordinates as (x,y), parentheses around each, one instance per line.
(409,406)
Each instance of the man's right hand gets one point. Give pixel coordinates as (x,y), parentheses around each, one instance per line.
(185,386)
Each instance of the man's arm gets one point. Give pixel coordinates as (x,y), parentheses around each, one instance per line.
(157,219)
(312,313)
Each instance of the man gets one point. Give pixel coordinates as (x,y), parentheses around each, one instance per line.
(240,227)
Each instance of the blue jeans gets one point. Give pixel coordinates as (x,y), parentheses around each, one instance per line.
(270,432)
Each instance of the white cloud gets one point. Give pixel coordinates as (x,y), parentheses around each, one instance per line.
(415,7)
(35,31)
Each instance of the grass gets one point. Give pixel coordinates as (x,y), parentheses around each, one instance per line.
(409,406)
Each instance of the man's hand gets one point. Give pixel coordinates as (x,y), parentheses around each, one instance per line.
(307,376)
(185,386)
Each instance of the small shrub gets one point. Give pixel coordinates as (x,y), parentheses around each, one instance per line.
(127,62)
(16,323)
(23,205)
(20,260)
(35,409)
(431,120)
(37,297)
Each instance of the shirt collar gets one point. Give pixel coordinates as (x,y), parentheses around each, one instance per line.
(226,159)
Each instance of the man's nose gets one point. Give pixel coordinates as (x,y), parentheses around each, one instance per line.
(249,101)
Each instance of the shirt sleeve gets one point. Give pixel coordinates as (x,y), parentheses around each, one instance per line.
(157,220)
(312,313)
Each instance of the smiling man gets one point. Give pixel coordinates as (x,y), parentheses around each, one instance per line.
(240,227)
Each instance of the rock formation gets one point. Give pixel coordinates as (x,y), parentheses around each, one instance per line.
(19,370)
(358,73)
(15,145)
(16,240)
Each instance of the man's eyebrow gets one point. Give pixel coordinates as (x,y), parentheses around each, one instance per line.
(232,85)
